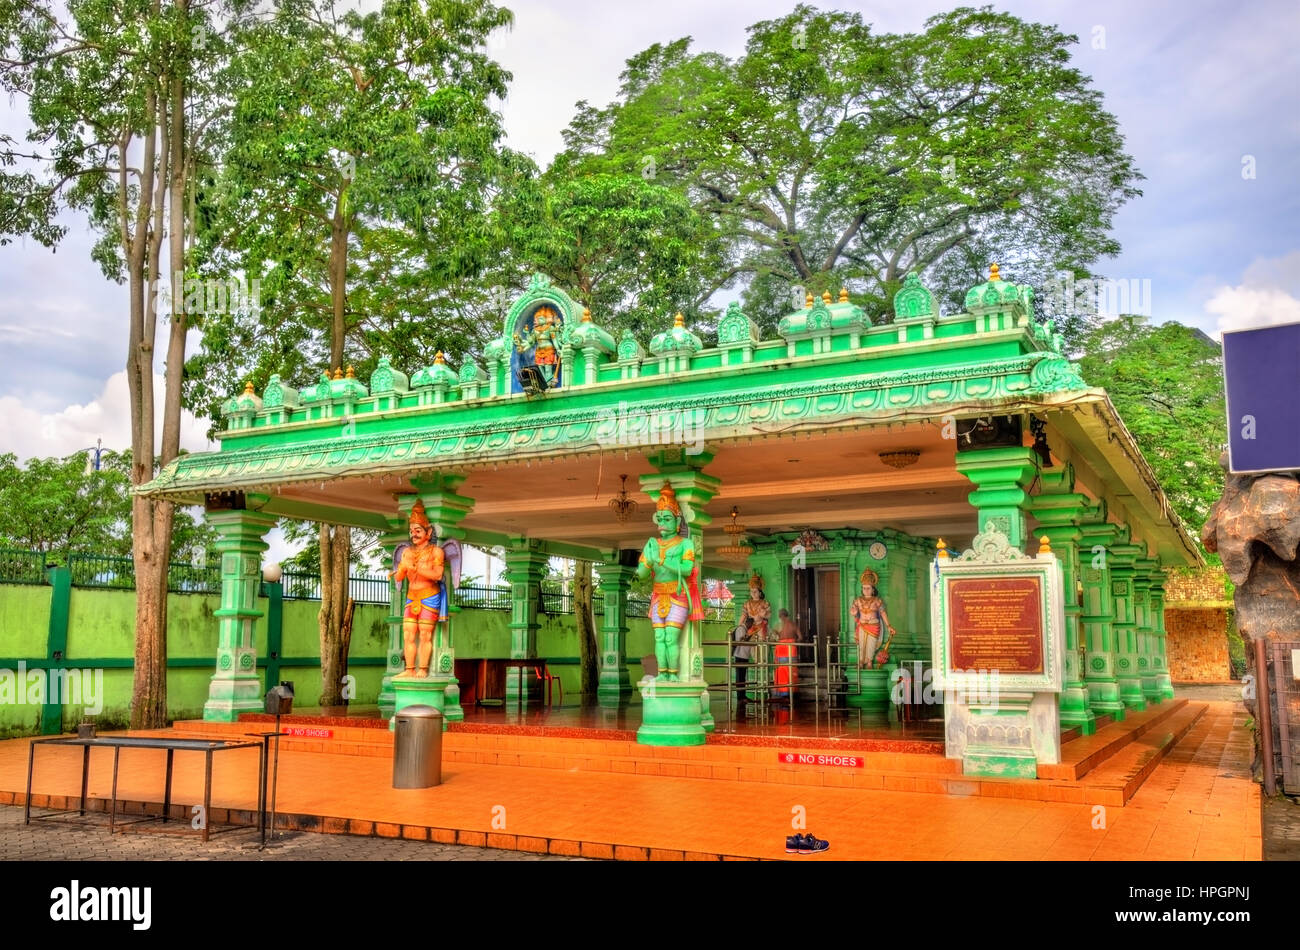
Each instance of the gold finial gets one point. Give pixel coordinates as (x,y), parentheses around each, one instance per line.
(679,320)
(943,548)
(338,373)
(586,314)
(1044,545)
(844,295)
(826,297)
(351,374)
(808,301)
(248,388)
(993,272)
(438,358)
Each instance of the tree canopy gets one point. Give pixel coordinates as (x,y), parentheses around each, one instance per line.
(827,154)
(1167,384)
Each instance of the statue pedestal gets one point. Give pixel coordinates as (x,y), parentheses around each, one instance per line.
(673,713)
(422,691)
(869,689)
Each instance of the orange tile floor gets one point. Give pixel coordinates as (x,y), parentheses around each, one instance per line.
(1198,803)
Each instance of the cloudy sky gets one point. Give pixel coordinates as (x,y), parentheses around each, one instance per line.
(1207,95)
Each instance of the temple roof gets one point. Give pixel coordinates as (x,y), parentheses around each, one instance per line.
(339,450)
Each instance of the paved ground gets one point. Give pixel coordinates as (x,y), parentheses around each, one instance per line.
(48,840)
(1209,692)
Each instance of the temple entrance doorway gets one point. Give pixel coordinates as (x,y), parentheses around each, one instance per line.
(817,610)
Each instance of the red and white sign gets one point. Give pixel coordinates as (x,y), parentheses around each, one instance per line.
(821,758)
(309,732)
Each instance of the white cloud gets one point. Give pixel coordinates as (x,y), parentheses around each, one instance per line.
(1268,294)
(29,433)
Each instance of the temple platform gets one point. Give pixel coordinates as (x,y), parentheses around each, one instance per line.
(1182,770)
(848,750)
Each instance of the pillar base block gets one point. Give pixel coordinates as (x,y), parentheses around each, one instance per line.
(1103,699)
(671,713)
(228,696)
(1075,712)
(420,691)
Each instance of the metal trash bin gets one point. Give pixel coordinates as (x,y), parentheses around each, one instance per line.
(417,747)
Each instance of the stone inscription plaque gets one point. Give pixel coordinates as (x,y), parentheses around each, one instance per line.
(996,624)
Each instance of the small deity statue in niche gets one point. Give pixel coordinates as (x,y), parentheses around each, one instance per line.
(869,622)
(543,339)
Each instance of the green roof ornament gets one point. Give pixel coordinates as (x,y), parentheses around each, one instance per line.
(1000,296)
(628,347)
(385,379)
(676,339)
(735,327)
(587,334)
(439,374)
(913,300)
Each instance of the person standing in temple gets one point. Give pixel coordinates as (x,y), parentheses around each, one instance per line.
(742,654)
(787,653)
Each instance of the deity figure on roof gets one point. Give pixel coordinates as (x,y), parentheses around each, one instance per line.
(542,341)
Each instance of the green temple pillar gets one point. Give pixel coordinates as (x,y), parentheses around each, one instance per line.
(1160,637)
(389,540)
(235,687)
(1060,510)
(1123,555)
(667,714)
(446,509)
(1098,616)
(525,565)
(1000,476)
(1147,569)
(615,686)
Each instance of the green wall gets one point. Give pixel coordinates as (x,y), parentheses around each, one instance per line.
(100,632)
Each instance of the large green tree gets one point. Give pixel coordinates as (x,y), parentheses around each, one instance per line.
(358,188)
(1167,384)
(65,506)
(827,154)
(118,93)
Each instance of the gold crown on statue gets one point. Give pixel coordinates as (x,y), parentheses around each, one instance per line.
(668,500)
(869,577)
(756,580)
(418,516)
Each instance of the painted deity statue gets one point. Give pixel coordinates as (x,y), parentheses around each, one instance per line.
(758,609)
(869,623)
(421,565)
(675,602)
(544,340)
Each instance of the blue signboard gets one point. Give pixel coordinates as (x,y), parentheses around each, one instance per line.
(1261,370)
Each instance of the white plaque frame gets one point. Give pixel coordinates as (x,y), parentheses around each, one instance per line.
(992,556)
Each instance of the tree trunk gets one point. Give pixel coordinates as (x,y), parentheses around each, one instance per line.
(335,616)
(151,520)
(582,614)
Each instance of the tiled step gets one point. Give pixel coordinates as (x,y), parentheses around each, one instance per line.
(1116,760)
(1119,778)
(1086,753)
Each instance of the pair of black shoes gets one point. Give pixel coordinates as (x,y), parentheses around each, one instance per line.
(805,844)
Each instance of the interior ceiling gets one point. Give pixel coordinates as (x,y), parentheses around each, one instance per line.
(779,483)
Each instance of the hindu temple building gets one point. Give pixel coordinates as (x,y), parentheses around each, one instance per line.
(847,449)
